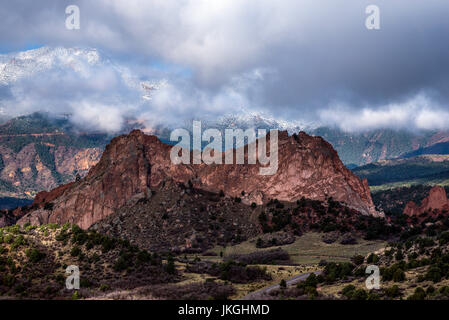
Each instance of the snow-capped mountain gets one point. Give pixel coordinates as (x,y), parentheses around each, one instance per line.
(20,65)
(260,120)
(15,66)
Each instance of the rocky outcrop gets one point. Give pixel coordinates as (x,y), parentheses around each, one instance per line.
(122,173)
(41,151)
(132,165)
(437,200)
(179,218)
(308,167)
(24,172)
(6,219)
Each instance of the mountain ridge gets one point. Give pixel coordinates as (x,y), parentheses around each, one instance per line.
(135,165)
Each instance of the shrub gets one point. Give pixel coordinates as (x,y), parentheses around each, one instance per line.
(9,238)
(283,284)
(444,238)
(79,237)
(34,255)
(124,262)
(311,292)
(430,290)
(311,280)
(89,245)
(104,287)
(444,291)
(348,291)
(419,294)
(261,257)
(8,280)
(15,229)
(75,252)
(359,294)
(334,271)
(434,274)
(62,236)
(398,276)
(107,244)
(85,282)
(358,260)
(373,296)
(372,258)
(18,241)
(393,292)
(29,227)
(60,279)
(388,273)
(11,265)
(170,266)
(75,295)
(143,256)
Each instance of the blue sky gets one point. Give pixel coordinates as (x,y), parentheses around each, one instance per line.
(6,48)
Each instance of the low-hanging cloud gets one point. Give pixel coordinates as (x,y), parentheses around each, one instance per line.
(418,113)
(293,59)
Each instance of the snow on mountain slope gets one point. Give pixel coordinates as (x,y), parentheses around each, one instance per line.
(26,64)
(260,120)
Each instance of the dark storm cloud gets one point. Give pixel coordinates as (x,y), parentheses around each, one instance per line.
(309,59)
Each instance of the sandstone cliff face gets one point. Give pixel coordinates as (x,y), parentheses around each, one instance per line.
(437,200)
(308,166)
(134,164)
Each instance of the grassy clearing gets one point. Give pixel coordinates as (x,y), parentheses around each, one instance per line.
(308,249)
(409,183)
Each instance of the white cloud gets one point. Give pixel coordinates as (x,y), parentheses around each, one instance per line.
(418,113)
(297,59)
(97,117)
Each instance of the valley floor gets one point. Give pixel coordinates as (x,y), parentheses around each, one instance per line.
(309,249)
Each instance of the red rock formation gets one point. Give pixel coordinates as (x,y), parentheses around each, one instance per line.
(437,200)
(134,164)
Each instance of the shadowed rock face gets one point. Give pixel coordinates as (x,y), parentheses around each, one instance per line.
(437,200)
(132,165)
